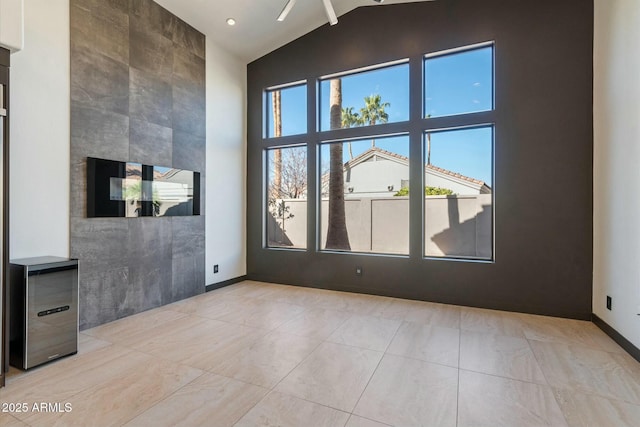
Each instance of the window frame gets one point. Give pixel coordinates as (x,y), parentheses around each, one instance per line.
(266,108)
(416,127)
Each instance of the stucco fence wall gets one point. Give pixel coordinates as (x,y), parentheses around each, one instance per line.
(455,225)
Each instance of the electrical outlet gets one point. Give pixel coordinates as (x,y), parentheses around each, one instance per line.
(358,271)
(215,269)
(608,302)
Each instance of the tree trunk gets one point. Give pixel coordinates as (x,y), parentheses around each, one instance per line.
(277,154)
(337,235)
(373,141)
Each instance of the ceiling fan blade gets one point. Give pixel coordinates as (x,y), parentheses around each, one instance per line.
(286,10)
(331,14)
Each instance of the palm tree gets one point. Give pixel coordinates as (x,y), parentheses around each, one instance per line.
(374,111)
(349,119)
(337,235)
(277,131)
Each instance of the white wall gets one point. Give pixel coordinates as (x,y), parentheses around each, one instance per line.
(617,165)
(11,25)
(39,188)
(226,165)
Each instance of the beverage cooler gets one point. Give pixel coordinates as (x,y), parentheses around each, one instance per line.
(43,310)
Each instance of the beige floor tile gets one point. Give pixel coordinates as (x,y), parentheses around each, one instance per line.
(210,400)
(490,401)
(194,304)
(199,342)
(629,363)
(67,377)
(214,306)
(181,325)
(373,333)
(492,321)
(603,340)
(315,323)
(396,309)
(362,304)
(333,375)
(14,373)
(253,289)
(583,410)
(267,360)
(425,342)
(281,410)
(143,323)
(259,313)
(500,355)
(562,331)
(409,392)
(434,314)
(306,297)
(356,421)
(587,371)
(143,382)
(87,343)
(269,291)
(8,420)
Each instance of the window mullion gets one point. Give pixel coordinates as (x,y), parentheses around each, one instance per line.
(312,165)
(416,156)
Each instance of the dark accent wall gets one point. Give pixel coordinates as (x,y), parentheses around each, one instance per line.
(138,95)
(543,153)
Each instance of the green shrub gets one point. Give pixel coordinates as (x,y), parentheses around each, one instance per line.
(428,191)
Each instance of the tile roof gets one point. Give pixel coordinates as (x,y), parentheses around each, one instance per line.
(405,159)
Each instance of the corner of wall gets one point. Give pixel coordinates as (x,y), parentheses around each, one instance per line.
(40,133)
(226,165)
(616,184)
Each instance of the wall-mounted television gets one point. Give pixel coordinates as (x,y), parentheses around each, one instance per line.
(128,190)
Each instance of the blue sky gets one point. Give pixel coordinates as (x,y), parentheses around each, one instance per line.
(454,84)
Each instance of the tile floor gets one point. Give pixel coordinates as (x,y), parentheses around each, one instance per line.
(258,354)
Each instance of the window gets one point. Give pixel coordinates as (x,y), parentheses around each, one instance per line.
(458,163)
(368,97)
(286,111)
(458,82)
(458,193)
(286,221)
(361,146)
(373,211)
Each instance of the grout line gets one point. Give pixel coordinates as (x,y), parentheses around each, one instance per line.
(384,353)
(299,363)
(98,387)
(269,392)
(369,419)
(547,381)
(505,378)
(164,398)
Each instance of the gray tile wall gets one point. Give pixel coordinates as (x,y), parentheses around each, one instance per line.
(137,94)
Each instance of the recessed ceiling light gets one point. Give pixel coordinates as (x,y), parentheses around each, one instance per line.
(231,21)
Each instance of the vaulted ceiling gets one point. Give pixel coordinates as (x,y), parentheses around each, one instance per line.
(257,32)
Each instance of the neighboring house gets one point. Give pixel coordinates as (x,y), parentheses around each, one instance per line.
(381,173)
